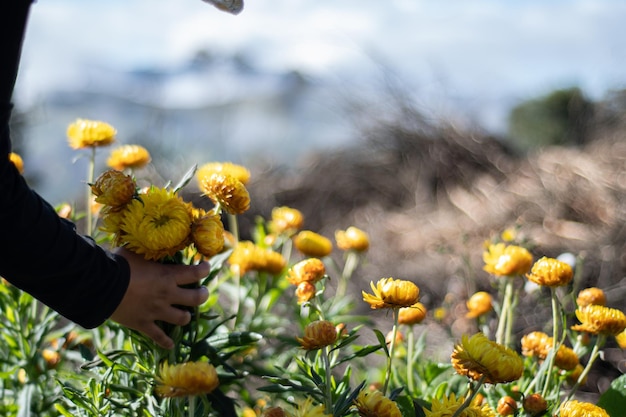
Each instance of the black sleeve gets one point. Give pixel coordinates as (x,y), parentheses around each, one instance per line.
(40,252)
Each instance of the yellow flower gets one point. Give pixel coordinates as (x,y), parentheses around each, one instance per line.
(113,188)
(224,168)
(249,257)
(17,161)
(309,270)
(573,408)
(550,272)
(156,225)
(620,338)
(600,320)
(507,406)
(536,344)
(478,304)
(507,260)
(317,335)
(535,404)
(573,376)
(352,239)
(305,291)
(207,234)
(307,409)
(390,293)
(375,404)
(414,314)
(566,358)
(285,220)
(591,295)
(128,156)
(186,379)
(90,134)
(227,192)
(312,244)
(447,406)
(478,356)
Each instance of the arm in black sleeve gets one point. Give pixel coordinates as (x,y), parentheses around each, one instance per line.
(40,252)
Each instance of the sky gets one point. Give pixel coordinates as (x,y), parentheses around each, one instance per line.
(480,54)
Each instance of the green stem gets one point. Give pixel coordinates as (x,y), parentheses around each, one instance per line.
(352,260)
(392,346)
(192,406)
(469,398)
(508,334)
(592,357)
(328,395)
(556,344)
(506,303)
(410,382)
(90,174)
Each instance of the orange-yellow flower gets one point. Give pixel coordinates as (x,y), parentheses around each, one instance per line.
(536,344)
(507,260)
(566,358)
(573,376)
(129,156)
(249,257)
(17,161)
(305,291)
(600,320)
(317,335)
(227,192)
(414,314)
(535,404)
(114,189)
(375,404)
(186,379)
(447,406)
(223,168)
(207,234)
(478,304)
(507,406)
(285,220)
(620,338)
(352,239)
(312,244)
(309,270)
(392,293)
(550,272)
(90,134)
(477,357)
(589,296)
(573,408)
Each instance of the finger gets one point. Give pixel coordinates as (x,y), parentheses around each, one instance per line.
(191,297)
(176,316)
(190,274)
(157,334)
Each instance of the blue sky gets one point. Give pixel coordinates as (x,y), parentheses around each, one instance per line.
(483,53)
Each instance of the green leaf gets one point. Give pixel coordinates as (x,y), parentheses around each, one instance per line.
(614,399)
(381,339)
(186,178)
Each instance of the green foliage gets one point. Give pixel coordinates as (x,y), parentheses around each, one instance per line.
(614,399)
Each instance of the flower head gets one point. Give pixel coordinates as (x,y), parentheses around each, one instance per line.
(477,356)
(536,344)
(447,406)
(114,189)
(591,295)
(573,408)
(207,234)
(17,161)
(305,291)
(535,404)
(312,244)
(507,260)
(479,303)
(414,314)
(227,192)
(352,239)
(317,335)
(309,270)
(224,168)
(90,134)
(392,293)
(285,220)
(249,257)
(375,404)
(128,156)
(186,379)
(600,320)
(306,408)
(507,406)
(620,338)
(550,272)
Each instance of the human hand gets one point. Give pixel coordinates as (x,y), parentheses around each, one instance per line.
(153,291)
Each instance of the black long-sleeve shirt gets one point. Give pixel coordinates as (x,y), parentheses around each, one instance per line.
(39,252)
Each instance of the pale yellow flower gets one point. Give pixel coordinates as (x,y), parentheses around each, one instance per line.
(312,244)
(285,220)
(414,314)
(477,356)
(375,404)
(90,134)
(479,303)
(447,406)
(17,161)
(113,188)
(227,192)
(223,168)
(352,239)
(507,260)
(207,234)
(550,272)
(317,335)
(306,408)
(309,270)
(186,379)
(392,293)
(128,156)
(574,408)
(589,296)
(597,319)
(247,256)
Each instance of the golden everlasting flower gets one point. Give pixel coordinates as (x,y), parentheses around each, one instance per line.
(352,239)
(600,320)
(207,234)
(536,344)
(478,304)
(114,189)
(223,168)
(620,338)
(227,192)
(285,220)
(507,260)
(478,356)
(17,161)
(307,409)
(390,293)
(589,296)
(507,406)
(573,408)
(550,272)
(249,257)
(375,404)
(156,225)
(566,358)
(312,244)
(309,270)
(129,156)
(535,404)
(447,406)
(414,314)
(90,134)
(186,379)
(305,291)
(573,376)
(317,335)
